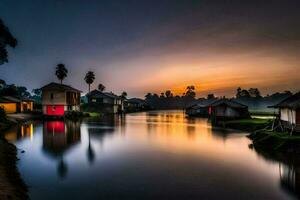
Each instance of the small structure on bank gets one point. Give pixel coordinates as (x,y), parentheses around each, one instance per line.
(106,102)
(16,105)
(289,112)
(59,98)
(201,109)
(227,109)
(135,104)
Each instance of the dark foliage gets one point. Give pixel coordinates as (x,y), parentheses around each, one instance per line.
(6,39)
(89,78)
(61,72)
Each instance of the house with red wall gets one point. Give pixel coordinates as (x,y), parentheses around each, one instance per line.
(59,98)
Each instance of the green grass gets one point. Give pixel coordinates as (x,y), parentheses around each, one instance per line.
(93,114)
(253,121)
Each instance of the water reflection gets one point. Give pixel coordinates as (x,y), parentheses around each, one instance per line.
(136,156)
(59,137)
(22,131)
(290,178)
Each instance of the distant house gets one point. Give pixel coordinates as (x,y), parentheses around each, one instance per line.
(16,105)
(59,98)
(201,109)
(106,102)
(224,109)
(289,112)
(135,104)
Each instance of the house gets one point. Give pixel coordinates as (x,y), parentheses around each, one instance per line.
(226,109)
(59,98)
(200,109)
(16,105)
(135,104)
(289,112)
(106,102)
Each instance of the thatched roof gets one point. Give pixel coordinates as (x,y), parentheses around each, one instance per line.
(290,102)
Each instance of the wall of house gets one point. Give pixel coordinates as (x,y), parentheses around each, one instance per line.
(224,111)
(59,97)
(288,115)
(9,107)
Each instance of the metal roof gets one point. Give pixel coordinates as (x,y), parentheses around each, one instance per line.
(290,102)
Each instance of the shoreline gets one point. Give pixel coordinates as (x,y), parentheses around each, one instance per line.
(11,184)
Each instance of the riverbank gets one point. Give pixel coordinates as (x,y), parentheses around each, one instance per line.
(11,184)
(277,144)
(248,125)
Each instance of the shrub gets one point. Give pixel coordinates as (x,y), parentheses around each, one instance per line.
(2,115)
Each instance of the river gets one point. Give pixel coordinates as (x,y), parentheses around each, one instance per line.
(150,155)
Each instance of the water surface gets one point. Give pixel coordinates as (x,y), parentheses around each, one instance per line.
(152,155)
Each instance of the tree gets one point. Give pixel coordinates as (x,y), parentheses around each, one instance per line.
(242,93)
(101,87)
(254,92)
(162,95)
(124,95)
(22,92)
(211,96)
(89,78)
(37,92)
(2,83)
(168,94)
(61,72)
(190,91)
(6,39)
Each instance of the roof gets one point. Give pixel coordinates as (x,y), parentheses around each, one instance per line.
(228,102)
(59,86)
(97,94)
(203,103)
(9,99)
(136,101)
(290,102)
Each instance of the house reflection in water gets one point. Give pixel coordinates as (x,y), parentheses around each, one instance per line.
(58,138)
(290,178)
(20,132)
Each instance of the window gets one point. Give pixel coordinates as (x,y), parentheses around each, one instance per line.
(51,96)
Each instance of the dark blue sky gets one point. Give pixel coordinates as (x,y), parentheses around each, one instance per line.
(141,46)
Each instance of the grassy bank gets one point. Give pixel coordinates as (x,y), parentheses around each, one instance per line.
(248,125)
(276,142)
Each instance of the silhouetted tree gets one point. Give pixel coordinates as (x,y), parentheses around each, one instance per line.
(89,78)
(162,95)
(124,95)
(190,91)
(6,39)
(168,94)
(22,92)
(254,92)
(37,92)
(61,72)
(211,96)
(101,87)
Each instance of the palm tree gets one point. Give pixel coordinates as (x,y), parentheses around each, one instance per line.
(61,72)
(124,95)
(89,78)
(101,87)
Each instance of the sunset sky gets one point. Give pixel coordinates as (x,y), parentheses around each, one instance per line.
(152,46)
